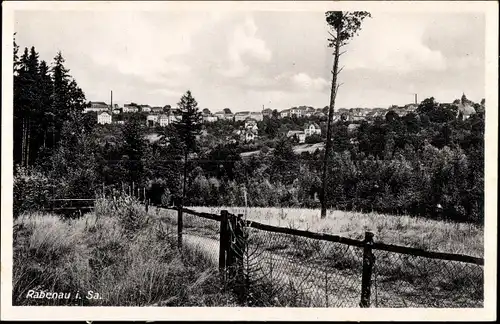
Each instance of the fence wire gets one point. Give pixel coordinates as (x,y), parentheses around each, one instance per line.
(288,271)
(284,270)
(401,280)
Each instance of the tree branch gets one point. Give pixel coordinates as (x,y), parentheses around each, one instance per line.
(342,53)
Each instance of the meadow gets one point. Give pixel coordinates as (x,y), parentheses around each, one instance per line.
(320,268)
(417,232)
(117,256)
(130,258)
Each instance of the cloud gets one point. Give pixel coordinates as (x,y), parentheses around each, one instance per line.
(305,82)
(245,47)
(393,43)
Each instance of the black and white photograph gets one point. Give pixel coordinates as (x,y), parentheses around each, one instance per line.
(284,156)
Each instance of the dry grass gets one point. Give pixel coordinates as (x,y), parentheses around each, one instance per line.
(128,259)
(402,230)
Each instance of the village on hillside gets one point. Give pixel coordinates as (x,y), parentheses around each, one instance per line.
(163,116)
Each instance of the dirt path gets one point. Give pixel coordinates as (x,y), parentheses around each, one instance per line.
(323,289)
(325,286)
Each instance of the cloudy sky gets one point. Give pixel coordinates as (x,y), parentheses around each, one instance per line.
(244,60)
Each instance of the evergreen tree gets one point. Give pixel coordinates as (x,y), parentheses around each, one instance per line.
(60,107)
(187,129)
(133,150)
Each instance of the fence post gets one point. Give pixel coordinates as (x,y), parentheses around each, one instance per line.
(179,227)
(230,256)
(240,247)
(224,241)
(366,279)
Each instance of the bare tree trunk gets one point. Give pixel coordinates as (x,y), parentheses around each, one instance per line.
(328,146)
(28,136)
(184,179)
(23,142)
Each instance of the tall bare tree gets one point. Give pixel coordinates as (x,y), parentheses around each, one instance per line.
(344,25)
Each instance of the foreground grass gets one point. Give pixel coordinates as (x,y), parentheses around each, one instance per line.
(116,257)
(408,231)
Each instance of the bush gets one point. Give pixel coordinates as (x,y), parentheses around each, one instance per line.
(32,191)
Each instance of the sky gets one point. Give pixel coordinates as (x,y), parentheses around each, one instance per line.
(245,60)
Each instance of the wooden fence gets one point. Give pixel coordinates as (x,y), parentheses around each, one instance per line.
(231,229)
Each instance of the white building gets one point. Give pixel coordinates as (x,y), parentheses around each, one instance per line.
(97,106)
(257,115)
(301,136)
(251,123)
(219,115)
(174,117)
(151,120)
(209,118)
(163,120)
(249,134)
(312,129)
(104,118)
(241,116)
(285,113)
(145,108)
(129,108)
(465,108)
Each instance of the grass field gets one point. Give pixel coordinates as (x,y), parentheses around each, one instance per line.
(401,280)
(130,258)
(408,231)
(122,255)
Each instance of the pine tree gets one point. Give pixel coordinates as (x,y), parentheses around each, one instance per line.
(60,107)
(186,131)
(47,116)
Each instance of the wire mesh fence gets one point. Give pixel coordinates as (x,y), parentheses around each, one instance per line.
(280,267)
(401,280)
(301,272)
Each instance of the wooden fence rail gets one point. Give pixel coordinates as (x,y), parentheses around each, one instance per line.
(231,229)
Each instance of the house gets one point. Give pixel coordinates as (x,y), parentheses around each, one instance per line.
(104,118)
(268,112)
(251,123)
(411,107)
(312,129)
(285,113)
(157,110)
(209,118)
(241,116)
(248,135)
(120,122)
(221,115)
(257,115)
(151,120)
(97,106)
(300,135)
(356,117)
(163,120)
(296,111)
(465,108)
(145,108)
(130,108)
(174,115)
(309,112)
(117,111)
